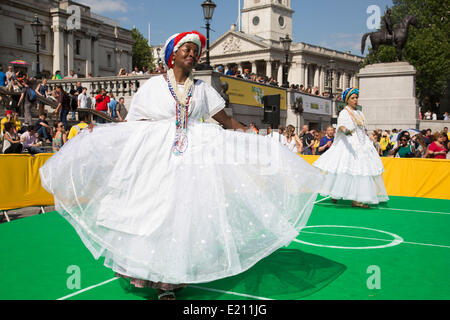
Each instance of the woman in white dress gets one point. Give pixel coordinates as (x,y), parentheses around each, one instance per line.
(169,200)
(352,167)
(291,140)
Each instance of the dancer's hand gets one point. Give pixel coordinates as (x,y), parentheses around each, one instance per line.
(91,126)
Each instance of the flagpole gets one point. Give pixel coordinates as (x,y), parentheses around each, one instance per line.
(239,15)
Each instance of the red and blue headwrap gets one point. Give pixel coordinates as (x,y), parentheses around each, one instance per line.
(348,93)
(177,40)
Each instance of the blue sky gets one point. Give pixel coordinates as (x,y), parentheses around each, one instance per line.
(334,24)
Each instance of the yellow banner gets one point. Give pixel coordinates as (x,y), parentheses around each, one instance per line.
(413,177)
(21,184)
(250,93)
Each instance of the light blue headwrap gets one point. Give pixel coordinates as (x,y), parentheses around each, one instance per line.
(348,93)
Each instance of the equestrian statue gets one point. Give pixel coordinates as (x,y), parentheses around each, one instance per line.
(387,35)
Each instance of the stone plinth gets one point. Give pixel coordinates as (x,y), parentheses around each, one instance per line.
(387,95)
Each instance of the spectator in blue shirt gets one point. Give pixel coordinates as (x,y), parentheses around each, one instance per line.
(220,69)
(112,105)
(326,142)
(43,128)
(232,70)
(2,77)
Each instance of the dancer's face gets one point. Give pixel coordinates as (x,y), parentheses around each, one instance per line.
(353,101)
(186,56)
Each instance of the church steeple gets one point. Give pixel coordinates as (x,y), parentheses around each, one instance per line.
(268,19)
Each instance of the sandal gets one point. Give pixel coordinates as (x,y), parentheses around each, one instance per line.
(359,205)
(166,295)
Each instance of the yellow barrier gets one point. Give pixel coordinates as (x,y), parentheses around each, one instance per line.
(424,178)
(20,184)
(412,177)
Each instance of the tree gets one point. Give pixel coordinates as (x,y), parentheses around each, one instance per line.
(427,49)
(142,54)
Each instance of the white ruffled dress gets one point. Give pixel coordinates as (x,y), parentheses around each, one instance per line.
(352,167)
(230,200)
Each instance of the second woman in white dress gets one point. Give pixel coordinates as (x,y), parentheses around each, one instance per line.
(352,167)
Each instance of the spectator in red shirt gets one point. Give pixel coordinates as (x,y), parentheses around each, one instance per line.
(437,149)
(102,101)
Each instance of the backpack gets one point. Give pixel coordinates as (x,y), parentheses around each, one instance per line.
(88,102)
(31,95)
(73,103)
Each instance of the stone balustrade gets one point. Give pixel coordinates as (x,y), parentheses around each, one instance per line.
(125,86)
(434,125)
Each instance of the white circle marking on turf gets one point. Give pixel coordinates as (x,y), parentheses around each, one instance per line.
(396,241)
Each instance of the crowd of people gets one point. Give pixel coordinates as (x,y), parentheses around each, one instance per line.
(429,115)
(395,143)
(233,71)
(32,136)
(160,68)
(412,143)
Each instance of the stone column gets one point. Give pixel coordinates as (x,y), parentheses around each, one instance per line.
(322,79)
(306,75)
(69,51)
(294,73)
(269,69)
(96,58)
(88,45)
(334,81)
(254,68)
(317,77)
(302,74)
(130,62)
(355,82)
(241,66)
(58,48)
(118,57)
(280,73)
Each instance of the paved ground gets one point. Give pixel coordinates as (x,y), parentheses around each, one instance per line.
(24,212)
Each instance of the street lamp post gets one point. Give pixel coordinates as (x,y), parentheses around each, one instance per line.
(208,11)
(286,42)
(158,51)
(331,66)
(37,28)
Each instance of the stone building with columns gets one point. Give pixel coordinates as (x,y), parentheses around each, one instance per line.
(72,38)
(257,47)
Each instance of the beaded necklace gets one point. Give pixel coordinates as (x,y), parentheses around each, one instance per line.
(360,122)
(182,111)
